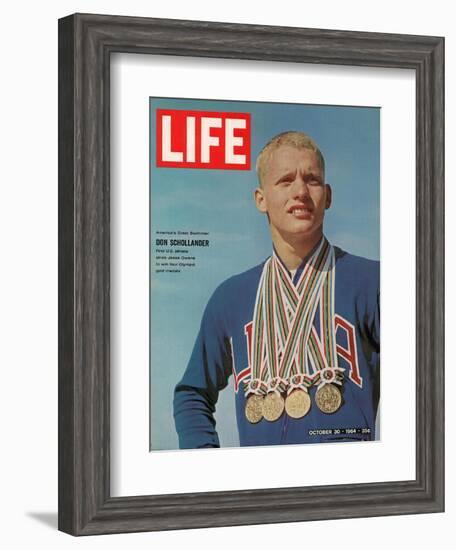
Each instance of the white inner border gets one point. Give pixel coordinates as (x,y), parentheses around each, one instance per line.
(136,471)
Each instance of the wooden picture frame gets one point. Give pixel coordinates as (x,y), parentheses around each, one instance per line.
(85,45)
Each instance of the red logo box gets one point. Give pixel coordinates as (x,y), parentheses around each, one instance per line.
(203,139)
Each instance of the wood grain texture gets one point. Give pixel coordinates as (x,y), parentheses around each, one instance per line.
(85,45)
(66,276)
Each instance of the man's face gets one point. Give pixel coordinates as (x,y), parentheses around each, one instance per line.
(293,193)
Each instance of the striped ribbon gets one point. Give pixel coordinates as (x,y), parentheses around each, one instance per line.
(285,344)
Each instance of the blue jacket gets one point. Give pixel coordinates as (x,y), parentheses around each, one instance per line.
(222,350)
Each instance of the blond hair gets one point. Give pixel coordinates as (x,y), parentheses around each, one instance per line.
(299,140)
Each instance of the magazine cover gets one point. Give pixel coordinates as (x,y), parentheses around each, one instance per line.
(264,274)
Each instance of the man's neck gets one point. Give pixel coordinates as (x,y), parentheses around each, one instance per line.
(292,252)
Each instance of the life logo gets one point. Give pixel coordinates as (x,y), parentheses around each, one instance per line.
(202,139)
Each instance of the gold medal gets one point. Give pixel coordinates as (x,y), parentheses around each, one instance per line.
(273,406)
(328,398)
(297,403)
(254,408)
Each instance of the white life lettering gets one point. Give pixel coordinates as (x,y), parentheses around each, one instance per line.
(208,141)
(231,141)
(167,154)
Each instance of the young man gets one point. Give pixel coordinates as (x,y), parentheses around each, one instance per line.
(299,333)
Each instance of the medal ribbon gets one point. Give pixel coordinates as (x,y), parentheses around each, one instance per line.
(284,339)
(303,303)
(324,361)
(256,384)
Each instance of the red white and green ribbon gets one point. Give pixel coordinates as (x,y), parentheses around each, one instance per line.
(256,384)
(286,349)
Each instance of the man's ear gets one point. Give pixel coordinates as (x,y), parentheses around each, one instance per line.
(260,200)
(328,196)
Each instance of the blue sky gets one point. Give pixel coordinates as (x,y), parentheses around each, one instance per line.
(221,203)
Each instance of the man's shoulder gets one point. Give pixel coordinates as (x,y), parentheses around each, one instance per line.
(238,286)
(241,280)
(352,259)
(357,267)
